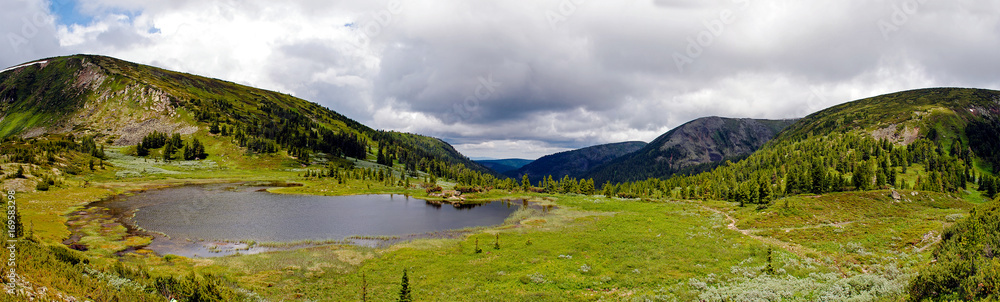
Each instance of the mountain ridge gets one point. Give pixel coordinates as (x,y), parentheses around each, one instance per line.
(701,141)
(503,165)
(574,163)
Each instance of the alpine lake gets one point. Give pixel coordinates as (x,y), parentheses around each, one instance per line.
(224,219)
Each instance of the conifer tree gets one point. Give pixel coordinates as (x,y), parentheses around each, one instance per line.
(168,152)
(140,150)
(404,291)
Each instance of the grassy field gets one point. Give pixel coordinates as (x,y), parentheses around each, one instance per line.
(861,245)
(595,248)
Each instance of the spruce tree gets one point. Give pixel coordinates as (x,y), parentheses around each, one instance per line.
(818,176)
(140,150)
(168,152)
(404,291)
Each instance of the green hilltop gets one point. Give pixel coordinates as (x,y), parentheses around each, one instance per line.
(121,102)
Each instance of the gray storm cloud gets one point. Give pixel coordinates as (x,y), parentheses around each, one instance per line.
(525,78)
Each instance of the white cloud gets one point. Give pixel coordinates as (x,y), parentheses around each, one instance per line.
(567,75)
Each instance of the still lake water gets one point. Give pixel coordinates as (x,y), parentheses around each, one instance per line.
(188,215)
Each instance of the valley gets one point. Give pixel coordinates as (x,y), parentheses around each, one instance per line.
(853,202)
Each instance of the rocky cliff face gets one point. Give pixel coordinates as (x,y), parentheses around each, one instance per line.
(713,139)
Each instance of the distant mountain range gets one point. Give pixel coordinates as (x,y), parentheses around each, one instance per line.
(694,146)
(699,142)
(503,165)
(574,163)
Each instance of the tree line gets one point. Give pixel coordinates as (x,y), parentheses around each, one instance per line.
(191,150)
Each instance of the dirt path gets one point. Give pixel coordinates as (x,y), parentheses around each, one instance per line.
(791,247)
(936,237)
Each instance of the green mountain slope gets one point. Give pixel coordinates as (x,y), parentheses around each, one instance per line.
(940,140)
(968,116)
(698,142)
(504,165)
(120,102)
(574,163)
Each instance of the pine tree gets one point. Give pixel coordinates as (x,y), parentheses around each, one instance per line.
(880,179)
(188,152)
(140,150)
(404,291)
(818,176)
(862,177)
(168,152)
(587,187)
(766,193)
(176,141)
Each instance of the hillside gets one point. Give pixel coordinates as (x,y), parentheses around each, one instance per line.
(701,141)
(504,165)
(945,115)
(120,102)
(939,140)
(574,163)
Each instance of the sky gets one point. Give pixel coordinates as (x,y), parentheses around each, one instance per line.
(526,78)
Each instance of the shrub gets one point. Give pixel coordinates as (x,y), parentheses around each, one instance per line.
(966,266)
(468,189)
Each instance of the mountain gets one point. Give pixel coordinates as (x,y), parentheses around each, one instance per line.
(949,116)
(940,140)
(574,163)
(699,142)
(120,102)
(503,165)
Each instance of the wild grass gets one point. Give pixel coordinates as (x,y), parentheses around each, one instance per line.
(585,248)
(615,249)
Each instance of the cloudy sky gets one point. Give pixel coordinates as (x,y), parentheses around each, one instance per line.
(512,78)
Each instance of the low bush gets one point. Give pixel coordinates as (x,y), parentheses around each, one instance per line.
(965,264)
